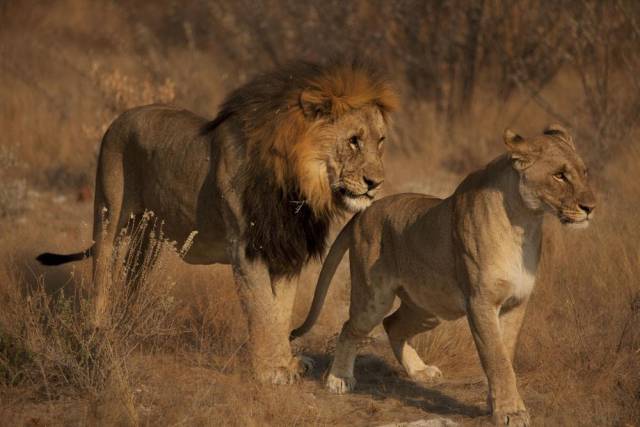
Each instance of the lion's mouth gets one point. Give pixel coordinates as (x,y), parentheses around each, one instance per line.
(344,192)
(352,201)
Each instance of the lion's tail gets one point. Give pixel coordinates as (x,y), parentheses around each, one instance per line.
(57,259)
(337,251)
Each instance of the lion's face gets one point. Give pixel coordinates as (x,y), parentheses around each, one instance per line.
(354,162)
(553,177)
(335,138)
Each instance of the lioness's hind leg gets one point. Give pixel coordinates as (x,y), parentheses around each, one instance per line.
(369,304)
(403,324)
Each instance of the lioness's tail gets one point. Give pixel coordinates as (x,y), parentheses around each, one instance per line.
(57,259)
(329,268)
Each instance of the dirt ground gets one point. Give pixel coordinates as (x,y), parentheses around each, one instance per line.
(464,71)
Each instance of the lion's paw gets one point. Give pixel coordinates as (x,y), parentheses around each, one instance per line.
(279,375)
(427,374)
(512,419)
(338,385)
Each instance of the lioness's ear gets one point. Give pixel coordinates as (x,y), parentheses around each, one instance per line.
(313,104)
(561,133)
(521,151)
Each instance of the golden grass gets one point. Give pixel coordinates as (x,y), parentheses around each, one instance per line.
(176,355)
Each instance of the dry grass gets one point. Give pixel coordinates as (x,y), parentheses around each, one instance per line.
(48,340)
(173,353)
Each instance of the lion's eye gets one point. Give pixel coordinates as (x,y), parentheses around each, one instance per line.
(354,142)
(381,142)
(561,176)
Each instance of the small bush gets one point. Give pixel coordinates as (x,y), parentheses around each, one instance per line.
(49,340)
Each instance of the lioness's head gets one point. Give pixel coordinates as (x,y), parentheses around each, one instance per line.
(553,177)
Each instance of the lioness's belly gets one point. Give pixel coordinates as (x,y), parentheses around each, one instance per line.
(436,293)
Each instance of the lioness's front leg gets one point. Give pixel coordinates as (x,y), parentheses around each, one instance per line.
(510,324)
(268,308)
(505,403)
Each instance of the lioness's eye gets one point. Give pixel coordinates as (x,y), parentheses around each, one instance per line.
(381,142)
(353,141)
(561,176)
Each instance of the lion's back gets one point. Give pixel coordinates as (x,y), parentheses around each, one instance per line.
(150,127)
(165,158)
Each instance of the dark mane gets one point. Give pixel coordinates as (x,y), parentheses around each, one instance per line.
(282,229)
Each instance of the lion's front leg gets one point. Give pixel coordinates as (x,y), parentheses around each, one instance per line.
(268,306)
(505,402)
(288,367)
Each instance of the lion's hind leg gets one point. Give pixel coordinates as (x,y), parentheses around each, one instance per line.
(401,326)
(107,220)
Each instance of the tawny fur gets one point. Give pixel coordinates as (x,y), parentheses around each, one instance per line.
(474,253)
(260,184)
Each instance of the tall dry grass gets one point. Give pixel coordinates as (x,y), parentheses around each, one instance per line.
(465,70)
(49,341)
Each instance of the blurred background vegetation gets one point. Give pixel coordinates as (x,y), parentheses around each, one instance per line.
(465,70)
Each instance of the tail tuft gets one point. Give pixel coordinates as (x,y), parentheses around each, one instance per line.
(48,258)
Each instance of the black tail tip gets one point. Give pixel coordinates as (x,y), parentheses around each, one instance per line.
(48,258)
(51,259)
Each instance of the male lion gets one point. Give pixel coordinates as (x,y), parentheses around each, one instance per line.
(260,184)
(474,253)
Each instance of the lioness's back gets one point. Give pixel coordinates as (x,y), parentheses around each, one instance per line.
(398,210)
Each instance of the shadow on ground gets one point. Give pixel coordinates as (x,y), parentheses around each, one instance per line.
(378,380)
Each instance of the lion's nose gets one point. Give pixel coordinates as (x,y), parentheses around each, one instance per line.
(587,207)
(372,183)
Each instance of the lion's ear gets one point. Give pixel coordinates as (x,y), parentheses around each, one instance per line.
(314,104)
(521,151)
(561,133)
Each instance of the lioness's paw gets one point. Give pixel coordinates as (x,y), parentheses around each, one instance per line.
(517,419)
(427,374)
(279,375)
(338,385)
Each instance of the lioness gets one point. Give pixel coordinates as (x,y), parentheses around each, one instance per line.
(261,183)
(474,253)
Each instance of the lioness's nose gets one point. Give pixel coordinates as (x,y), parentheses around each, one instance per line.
(587,207)
(372,183)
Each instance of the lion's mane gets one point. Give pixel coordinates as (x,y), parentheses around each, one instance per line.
(287,200)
